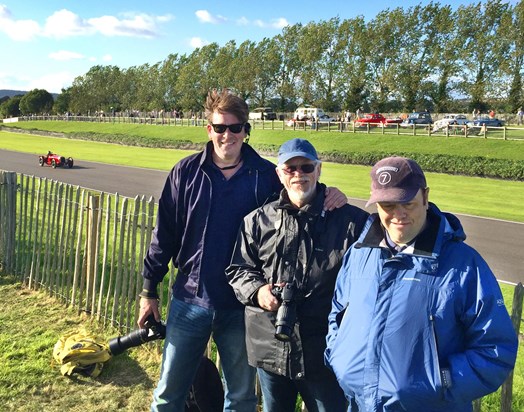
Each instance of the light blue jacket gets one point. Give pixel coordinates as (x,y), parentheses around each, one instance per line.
(420,331)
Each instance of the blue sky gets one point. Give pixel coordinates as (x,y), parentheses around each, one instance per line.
(45,44)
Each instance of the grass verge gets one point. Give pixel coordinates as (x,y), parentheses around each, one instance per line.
(33,321)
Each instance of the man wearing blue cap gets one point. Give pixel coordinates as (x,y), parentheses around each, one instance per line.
(283,269)
(418,320)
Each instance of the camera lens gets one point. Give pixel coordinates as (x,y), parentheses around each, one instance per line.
(285,321)
(120,344)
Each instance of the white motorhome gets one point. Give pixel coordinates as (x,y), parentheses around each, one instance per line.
(307,113)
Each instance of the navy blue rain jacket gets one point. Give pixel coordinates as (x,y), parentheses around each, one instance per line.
(183,212)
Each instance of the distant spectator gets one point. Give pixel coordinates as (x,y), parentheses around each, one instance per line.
(491,114)
(520,115)
(476,113)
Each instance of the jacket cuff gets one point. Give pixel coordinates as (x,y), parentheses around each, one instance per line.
(149,290)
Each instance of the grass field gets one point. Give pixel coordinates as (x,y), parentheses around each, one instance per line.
(33,321)
(323,141)
(461,194)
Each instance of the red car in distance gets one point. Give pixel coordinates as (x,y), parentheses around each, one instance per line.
(376,119)
(54,160)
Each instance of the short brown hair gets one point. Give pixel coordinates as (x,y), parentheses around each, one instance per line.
(226,102)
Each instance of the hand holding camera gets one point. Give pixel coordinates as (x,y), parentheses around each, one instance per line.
(287,312)
(153,330)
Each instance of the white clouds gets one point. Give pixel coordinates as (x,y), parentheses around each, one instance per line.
(137,26)
(243,21)
(197,42)
(279,23)
(64,55)
(64,24)
(205,16)
(19,30)
(53,82)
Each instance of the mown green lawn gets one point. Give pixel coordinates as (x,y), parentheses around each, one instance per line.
(323,141)
(500,199)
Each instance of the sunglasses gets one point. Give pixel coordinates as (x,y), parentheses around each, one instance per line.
(305,168)
(234,128)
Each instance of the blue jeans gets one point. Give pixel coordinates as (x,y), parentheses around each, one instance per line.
(189,328)
(279,393)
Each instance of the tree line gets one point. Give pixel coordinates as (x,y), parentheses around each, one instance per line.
(422,57)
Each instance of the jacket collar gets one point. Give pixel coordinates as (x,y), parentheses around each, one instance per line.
(440,227)
(314,208)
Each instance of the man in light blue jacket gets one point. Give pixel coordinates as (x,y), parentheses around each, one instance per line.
(418,322)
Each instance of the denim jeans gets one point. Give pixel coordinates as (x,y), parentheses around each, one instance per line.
(279,393)
(189,328)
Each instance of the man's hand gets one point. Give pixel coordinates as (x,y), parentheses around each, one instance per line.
(334,199)
(148,306)
(266,299)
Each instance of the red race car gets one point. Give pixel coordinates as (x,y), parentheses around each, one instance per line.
(54,160)
(375,119)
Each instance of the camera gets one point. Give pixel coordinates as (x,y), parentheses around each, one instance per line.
(153,330)
(287,311)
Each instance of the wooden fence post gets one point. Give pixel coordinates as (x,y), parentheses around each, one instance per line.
(8,188)
(77,274)
(506,393)
(91,241)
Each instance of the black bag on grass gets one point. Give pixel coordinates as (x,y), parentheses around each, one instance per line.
(207,392)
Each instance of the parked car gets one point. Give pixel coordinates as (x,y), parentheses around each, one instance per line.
(54,160)
(450,120)
(326,119)
(262,113)
(417,118)
(376,119)
(486,121)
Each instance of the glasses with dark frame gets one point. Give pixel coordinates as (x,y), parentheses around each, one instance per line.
(234,128)
(304,168)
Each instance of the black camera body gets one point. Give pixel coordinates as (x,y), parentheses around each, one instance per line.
(153,330)
(287,311)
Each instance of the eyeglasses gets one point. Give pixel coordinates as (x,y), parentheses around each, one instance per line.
(305,168)
(234,128)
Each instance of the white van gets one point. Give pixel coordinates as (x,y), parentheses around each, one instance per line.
(307,113)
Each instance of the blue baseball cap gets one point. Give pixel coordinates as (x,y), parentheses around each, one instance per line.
(296,148)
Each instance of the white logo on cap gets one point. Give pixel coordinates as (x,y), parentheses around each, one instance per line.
(384,178)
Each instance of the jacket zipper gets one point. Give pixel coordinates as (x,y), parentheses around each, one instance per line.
(435,346)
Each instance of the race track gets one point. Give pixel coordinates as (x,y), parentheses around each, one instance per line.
(500,242)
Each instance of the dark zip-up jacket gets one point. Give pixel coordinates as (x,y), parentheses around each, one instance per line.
(279,243)
(183,212)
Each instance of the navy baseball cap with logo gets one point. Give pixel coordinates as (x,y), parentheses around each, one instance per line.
(396,180)
(295,148)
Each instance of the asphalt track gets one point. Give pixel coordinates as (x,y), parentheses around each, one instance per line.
(500,242)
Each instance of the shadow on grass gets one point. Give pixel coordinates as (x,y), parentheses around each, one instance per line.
(119,371)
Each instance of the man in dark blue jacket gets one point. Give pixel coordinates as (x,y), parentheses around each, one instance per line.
(418,322)
(203,202)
